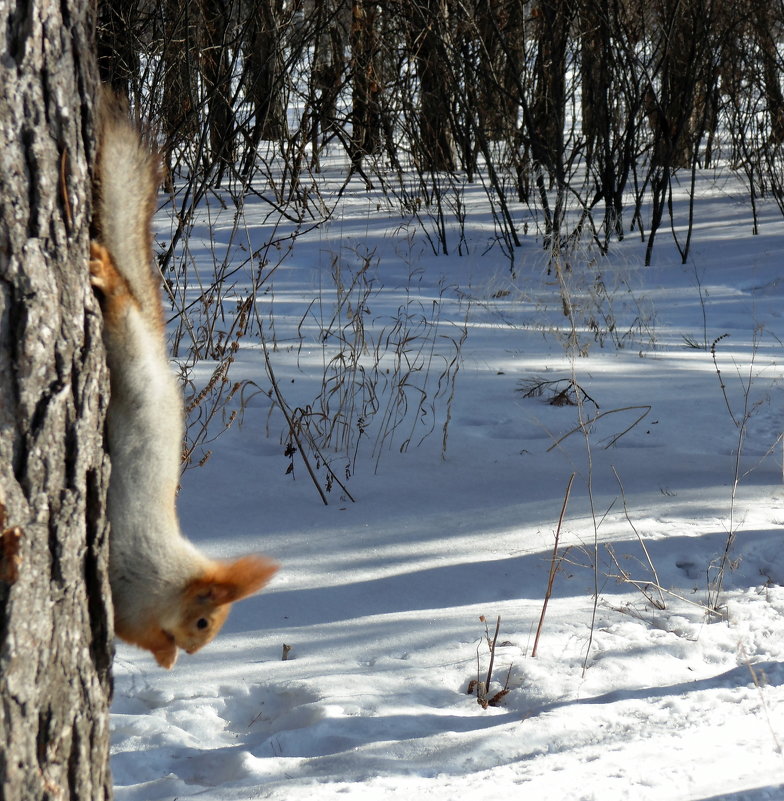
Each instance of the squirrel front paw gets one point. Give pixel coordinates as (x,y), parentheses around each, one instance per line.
(163,648)
(166,657)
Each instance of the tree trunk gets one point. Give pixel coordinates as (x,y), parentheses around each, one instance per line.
(117,45)
(265,77)
(548,109)
(179,118)
(55,627)
(764,22)
(501,30)
(215,70)
(329,64)
(365,83)
(435,146)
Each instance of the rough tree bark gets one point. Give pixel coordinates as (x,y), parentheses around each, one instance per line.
(178,116)
(215,69)
(365,82)
(428,23)
(265,77)
(55,646)
(118,50)
(548,108)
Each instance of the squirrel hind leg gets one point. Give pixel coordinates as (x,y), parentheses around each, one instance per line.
(103,273)
(112,289)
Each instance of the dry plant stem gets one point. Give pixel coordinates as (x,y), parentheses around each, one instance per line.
(640,584)
(714,595)
(582,426)
(589,454)
(759,683)
(721,380)
(535,388)
(554,562)
(377,374)
(292,427)
(639,539)
(492,652)
(644,586)
(482,688)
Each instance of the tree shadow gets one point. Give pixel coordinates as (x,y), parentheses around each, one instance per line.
(768,792)
(681,563)
(772,672)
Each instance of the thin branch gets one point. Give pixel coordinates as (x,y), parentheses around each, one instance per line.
(289,422)
(639,538)
(554,562)
(582,426)
(492,652)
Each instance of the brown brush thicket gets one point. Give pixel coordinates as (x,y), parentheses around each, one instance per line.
(582,113)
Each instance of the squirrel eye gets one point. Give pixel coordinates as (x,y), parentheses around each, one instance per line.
(202,623)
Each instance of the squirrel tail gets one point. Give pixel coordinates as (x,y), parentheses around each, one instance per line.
(126,184)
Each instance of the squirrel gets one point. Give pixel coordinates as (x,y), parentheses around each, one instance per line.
(166,593)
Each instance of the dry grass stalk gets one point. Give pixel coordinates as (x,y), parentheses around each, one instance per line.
(555,562)
(481,688)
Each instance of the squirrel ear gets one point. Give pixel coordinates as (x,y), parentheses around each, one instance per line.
(231,581)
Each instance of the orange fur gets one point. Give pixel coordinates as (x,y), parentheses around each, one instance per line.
(198,611)
(206,600)
(152,638)
(115,294)
(228,582)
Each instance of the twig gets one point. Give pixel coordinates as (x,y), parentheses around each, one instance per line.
(643,586)
(721,380)
(741,425)
(583,425)
(639,538)
(301,415)
(535,388)
(640,583)
(554,562)
(292,427)
(595,609)
(492,652)
(481,688)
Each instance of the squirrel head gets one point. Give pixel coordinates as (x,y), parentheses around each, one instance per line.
(207,599)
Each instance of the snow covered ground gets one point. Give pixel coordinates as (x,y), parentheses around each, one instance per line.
(381,599)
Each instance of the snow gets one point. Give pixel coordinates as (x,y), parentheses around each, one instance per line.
(381,600)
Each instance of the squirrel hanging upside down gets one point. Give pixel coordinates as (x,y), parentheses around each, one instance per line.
(166,593)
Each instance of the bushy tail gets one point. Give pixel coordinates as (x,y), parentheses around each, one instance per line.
(126,184)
